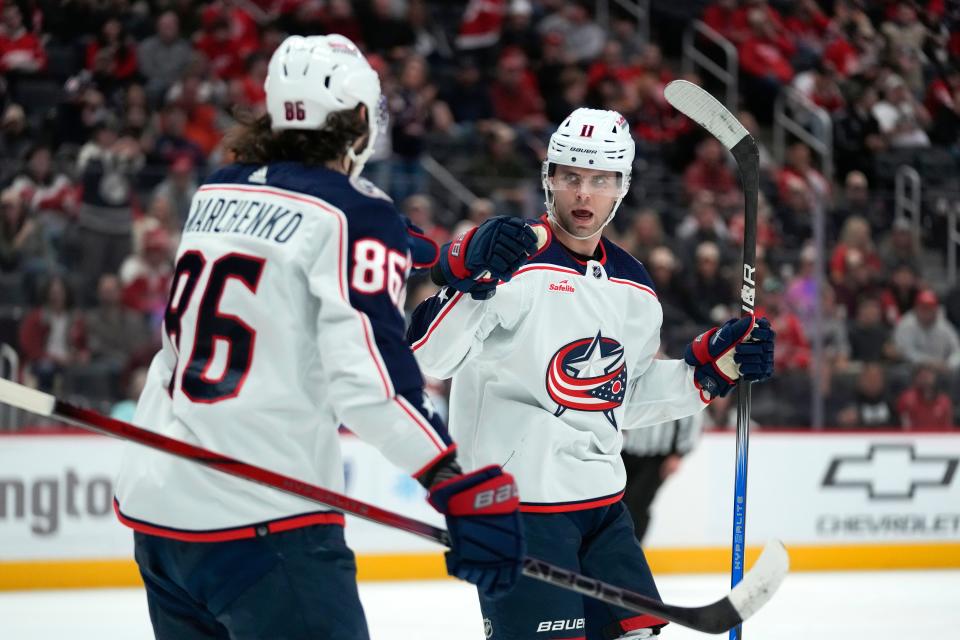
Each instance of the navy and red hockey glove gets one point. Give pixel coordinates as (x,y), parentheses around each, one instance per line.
(499,246)
(486,537)
(740,348)
(424,252)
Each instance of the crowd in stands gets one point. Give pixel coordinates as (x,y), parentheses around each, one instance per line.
(113,111)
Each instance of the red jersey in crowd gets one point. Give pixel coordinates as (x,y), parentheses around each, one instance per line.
(919,412)
(21,51)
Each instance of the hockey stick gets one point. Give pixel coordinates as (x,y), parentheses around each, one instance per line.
(703,108)
(742,602)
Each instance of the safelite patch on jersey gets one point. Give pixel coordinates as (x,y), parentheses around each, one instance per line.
(589,374)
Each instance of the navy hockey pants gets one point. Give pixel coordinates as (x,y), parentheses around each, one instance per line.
(599,543)
(298,584)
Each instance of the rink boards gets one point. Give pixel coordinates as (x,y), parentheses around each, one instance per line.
(868,500)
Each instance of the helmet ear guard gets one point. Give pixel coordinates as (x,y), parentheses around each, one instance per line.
(309,78)
(590,139)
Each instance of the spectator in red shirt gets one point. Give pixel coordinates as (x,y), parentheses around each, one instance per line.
(248,90)
(241,26)
(146,276)
(798,165)
(611,64)
(709,172)
(112,53)
(52,336)
(719,16)
(808,24)
(855,236)
(922,405)
(50,195)
(653,120)
(765,61)
(751,11)
(216,43)
(20,50)
(514,93)
(793,350)
(819,85)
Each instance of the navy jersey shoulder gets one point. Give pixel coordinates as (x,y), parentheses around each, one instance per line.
(368,210)
(621,264)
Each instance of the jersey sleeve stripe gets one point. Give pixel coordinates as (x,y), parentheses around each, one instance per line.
(420,422)
(375,355)
(433,325)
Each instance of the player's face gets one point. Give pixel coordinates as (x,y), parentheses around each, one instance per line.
(583,198)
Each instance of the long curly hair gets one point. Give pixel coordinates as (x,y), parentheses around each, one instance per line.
(254,141)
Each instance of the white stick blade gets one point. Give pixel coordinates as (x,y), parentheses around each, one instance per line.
(705,110)
(17,395)
(762,581)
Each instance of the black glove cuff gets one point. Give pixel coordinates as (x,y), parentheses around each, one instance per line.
(444,469)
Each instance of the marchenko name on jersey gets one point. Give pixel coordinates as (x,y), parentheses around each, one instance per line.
(246,217)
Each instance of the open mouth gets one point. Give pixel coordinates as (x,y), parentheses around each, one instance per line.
(582,215)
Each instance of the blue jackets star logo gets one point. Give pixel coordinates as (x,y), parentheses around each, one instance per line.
(589,374)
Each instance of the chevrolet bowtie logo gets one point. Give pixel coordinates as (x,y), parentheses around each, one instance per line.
(891,471)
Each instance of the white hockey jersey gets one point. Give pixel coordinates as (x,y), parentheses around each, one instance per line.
(548,372)
(283,323)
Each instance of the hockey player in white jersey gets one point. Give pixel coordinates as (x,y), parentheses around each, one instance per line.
(552,365)
(283,323)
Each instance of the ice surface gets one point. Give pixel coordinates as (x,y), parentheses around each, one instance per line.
(824,606)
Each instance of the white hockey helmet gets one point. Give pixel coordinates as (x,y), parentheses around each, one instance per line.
(591,139)
(310,77)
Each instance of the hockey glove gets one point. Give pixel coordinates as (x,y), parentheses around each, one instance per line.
(495,249)
(721,356)
(424,252)
(483,517)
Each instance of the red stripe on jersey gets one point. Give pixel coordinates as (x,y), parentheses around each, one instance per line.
(305,521)
(562,507)
(418,419)
(635,285)
(644,621)
(375,354)
(224,535)
(422,341)
(545,267)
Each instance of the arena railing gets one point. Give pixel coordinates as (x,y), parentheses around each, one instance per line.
(639,10)
(907,201)
(953,241)
(9,370)
(694,58)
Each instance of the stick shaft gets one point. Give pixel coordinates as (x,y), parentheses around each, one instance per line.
(747,157)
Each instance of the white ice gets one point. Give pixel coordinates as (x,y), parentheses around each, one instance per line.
(809,606)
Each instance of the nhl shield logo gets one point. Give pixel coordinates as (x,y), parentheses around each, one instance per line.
(487,628)
(589,374)
(597,271)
